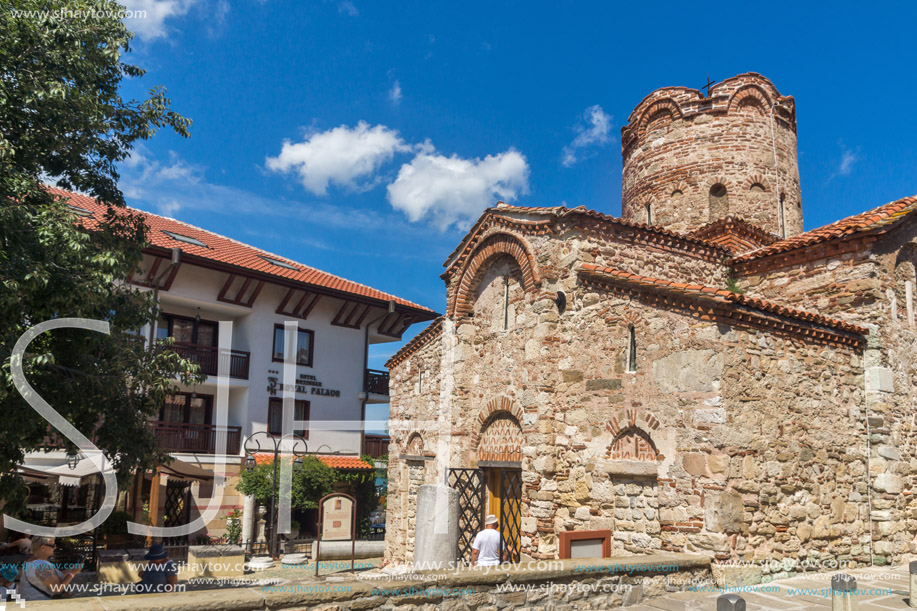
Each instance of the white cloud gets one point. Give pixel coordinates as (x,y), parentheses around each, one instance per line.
(148,17)
(454,190)
(593,132)
(848,158)
(394,93)
(342,155)
(178,186)
(169,208)
(348,8)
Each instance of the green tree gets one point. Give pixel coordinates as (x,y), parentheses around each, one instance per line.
(62,120)
(311,481)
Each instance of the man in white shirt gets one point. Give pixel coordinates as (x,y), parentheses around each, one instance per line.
(485,551)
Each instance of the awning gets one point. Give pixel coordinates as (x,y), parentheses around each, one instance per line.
(71,477)
(33,474)
(180,469)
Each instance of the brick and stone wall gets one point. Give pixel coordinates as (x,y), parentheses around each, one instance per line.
(695,159)
(866,282)
(725,439)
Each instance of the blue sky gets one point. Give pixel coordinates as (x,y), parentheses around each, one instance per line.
(363,138)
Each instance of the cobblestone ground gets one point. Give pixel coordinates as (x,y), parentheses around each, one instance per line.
(880,588)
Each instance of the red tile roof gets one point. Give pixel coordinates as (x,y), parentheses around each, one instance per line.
(735,234)
(723,296)
(345,462)
(334,461)
(433,330)
(559,212)
(871,220)
(227,251)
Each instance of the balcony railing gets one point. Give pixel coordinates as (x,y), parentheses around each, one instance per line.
(195,438)
(375,446)
(376,381)
(209,357)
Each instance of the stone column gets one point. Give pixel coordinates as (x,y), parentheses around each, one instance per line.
(437,528)
(248,510)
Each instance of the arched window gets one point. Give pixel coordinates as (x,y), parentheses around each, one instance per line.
(649,214)
(756,187)
(719,201)
(631,349)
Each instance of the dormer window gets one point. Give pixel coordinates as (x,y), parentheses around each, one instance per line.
(279,263)
(80,211)
(184,238)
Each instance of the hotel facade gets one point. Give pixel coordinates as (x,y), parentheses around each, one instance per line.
(200,279)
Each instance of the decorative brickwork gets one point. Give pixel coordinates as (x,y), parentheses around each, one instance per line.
(499,435)
(492,247)
(501,440)
(765,411)
(679,140)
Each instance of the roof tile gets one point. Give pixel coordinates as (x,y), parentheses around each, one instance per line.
(228,251)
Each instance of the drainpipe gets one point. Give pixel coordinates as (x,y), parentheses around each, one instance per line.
(176,261)
(365,393)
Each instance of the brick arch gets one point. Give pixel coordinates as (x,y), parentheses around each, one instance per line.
(631,418)
(678,186)
(631,436)
(494,408)
(750,95)
(414,445)
(665,105)
(757,179)
(492,247)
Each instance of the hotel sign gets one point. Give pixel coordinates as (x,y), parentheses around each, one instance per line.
(305,384)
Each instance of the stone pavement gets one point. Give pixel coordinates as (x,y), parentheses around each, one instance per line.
(789,595)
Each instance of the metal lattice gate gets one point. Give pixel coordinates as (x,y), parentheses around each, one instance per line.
(177,509)
(511,511)
(469,484)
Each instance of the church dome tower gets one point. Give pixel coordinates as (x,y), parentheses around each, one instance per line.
(690,158)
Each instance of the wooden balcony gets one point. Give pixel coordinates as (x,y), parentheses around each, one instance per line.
(375,381)
(375,446)
(209,358)
(195,438)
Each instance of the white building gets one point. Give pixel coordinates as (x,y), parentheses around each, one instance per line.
(202,278)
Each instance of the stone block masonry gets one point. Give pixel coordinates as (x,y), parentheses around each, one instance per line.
(723,391)
(585,584)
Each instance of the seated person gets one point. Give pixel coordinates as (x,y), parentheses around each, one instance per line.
(21,545)
(40,579)
(9,573)
(161,574)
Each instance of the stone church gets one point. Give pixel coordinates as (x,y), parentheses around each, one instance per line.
(697,375)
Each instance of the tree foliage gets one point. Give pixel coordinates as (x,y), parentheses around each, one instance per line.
(62,120)
(311,481)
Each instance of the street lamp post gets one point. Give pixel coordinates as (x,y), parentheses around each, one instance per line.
(253,446)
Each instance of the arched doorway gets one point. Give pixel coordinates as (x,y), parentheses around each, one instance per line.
(500,458)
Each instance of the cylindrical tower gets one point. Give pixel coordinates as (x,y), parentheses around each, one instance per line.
(690,159)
